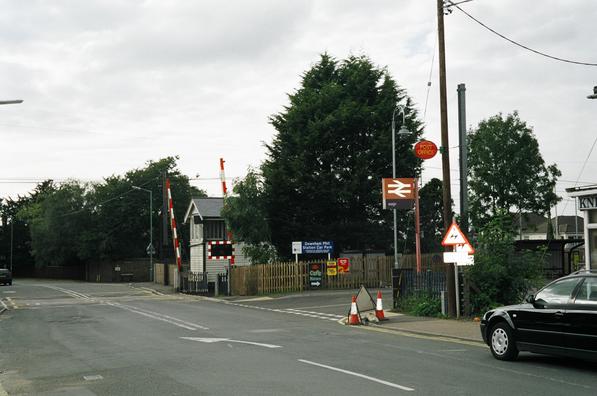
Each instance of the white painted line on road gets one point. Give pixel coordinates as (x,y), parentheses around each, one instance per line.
(167,317)
(213,340)
(316,313)
(9,292)
(4,305)
(92,377)
(154,317)
(380,381)
(159,316)
(326,306)
(12,303)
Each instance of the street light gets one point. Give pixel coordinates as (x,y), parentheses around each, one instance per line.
(7,102)
(150,247)
(402,132)
(594,96)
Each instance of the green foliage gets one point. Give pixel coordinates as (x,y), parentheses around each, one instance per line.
(421,304)
(500,275)
(21,233)
(322,177)
(432,224)
(246,216)
(507,171)
(76,223)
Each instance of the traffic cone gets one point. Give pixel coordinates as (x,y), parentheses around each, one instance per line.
(353,318)
(379,307)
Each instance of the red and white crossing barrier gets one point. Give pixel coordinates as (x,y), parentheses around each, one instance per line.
(173,226)
(379,307)
(354,318)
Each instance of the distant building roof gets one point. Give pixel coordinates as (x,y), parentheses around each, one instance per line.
(205,207)
(536,224)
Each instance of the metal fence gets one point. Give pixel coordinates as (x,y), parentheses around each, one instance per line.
(194,283)
(428,282)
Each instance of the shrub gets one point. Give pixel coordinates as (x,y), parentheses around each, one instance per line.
(422,304)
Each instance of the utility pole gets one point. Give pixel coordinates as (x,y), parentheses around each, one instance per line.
(12,220)
(447,195)
(463,144)
(165,211)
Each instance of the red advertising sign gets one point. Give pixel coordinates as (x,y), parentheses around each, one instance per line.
(343,265)
(425,149)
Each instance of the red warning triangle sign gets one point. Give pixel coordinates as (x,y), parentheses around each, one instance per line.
(454,236)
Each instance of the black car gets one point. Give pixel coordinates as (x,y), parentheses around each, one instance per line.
(561,319)
(5,276)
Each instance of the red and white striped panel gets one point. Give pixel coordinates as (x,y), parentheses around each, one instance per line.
(211,243)
(173,226)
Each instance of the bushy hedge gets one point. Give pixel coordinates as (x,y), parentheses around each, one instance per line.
(502,276)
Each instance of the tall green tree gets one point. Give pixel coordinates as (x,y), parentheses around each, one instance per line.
(246,215)
(507,171)
(322,177)
(432,224)
(75,223)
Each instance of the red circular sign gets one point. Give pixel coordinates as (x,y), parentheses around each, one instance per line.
(425,149)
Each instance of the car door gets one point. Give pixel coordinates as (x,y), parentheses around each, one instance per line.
(583,317)
(544,322)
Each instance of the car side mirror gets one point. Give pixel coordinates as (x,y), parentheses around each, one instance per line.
(530,299)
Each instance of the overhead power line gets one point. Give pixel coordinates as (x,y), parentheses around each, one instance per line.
(557,58)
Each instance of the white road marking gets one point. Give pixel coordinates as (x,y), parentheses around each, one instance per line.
(316,313)
(380,381)
(326,306)
(213,340)
(294,311)
(150,314)
(9,292)
(92,377)
(157,316)
(12,303)
(4,305)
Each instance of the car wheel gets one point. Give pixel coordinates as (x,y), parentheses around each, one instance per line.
(502,343)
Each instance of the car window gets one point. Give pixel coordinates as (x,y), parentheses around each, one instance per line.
(558,292)
(587,293)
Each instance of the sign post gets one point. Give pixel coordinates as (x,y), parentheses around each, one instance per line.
(297,248)
(315,274)
(462,254)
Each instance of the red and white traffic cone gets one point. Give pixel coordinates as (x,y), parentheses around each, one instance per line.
(379,307)
(353,318)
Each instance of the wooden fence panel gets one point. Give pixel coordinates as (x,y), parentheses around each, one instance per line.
(287,277)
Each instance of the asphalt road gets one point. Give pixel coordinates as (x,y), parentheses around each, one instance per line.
(68,338)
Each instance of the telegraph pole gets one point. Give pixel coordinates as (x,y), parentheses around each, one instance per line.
(463,144)
(447,195)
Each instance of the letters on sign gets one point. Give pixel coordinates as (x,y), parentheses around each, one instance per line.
(585,203)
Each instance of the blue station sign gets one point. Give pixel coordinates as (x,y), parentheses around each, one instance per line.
(318,247)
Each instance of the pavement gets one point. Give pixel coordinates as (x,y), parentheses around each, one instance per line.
(75,338)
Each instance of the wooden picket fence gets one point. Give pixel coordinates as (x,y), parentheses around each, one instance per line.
(294,277)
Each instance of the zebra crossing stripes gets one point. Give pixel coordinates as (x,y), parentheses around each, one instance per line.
(293,311)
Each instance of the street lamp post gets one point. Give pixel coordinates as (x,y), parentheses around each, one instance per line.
(403,131)
(7,102)
(150,247)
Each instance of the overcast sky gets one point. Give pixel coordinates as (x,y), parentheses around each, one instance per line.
(111,84)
